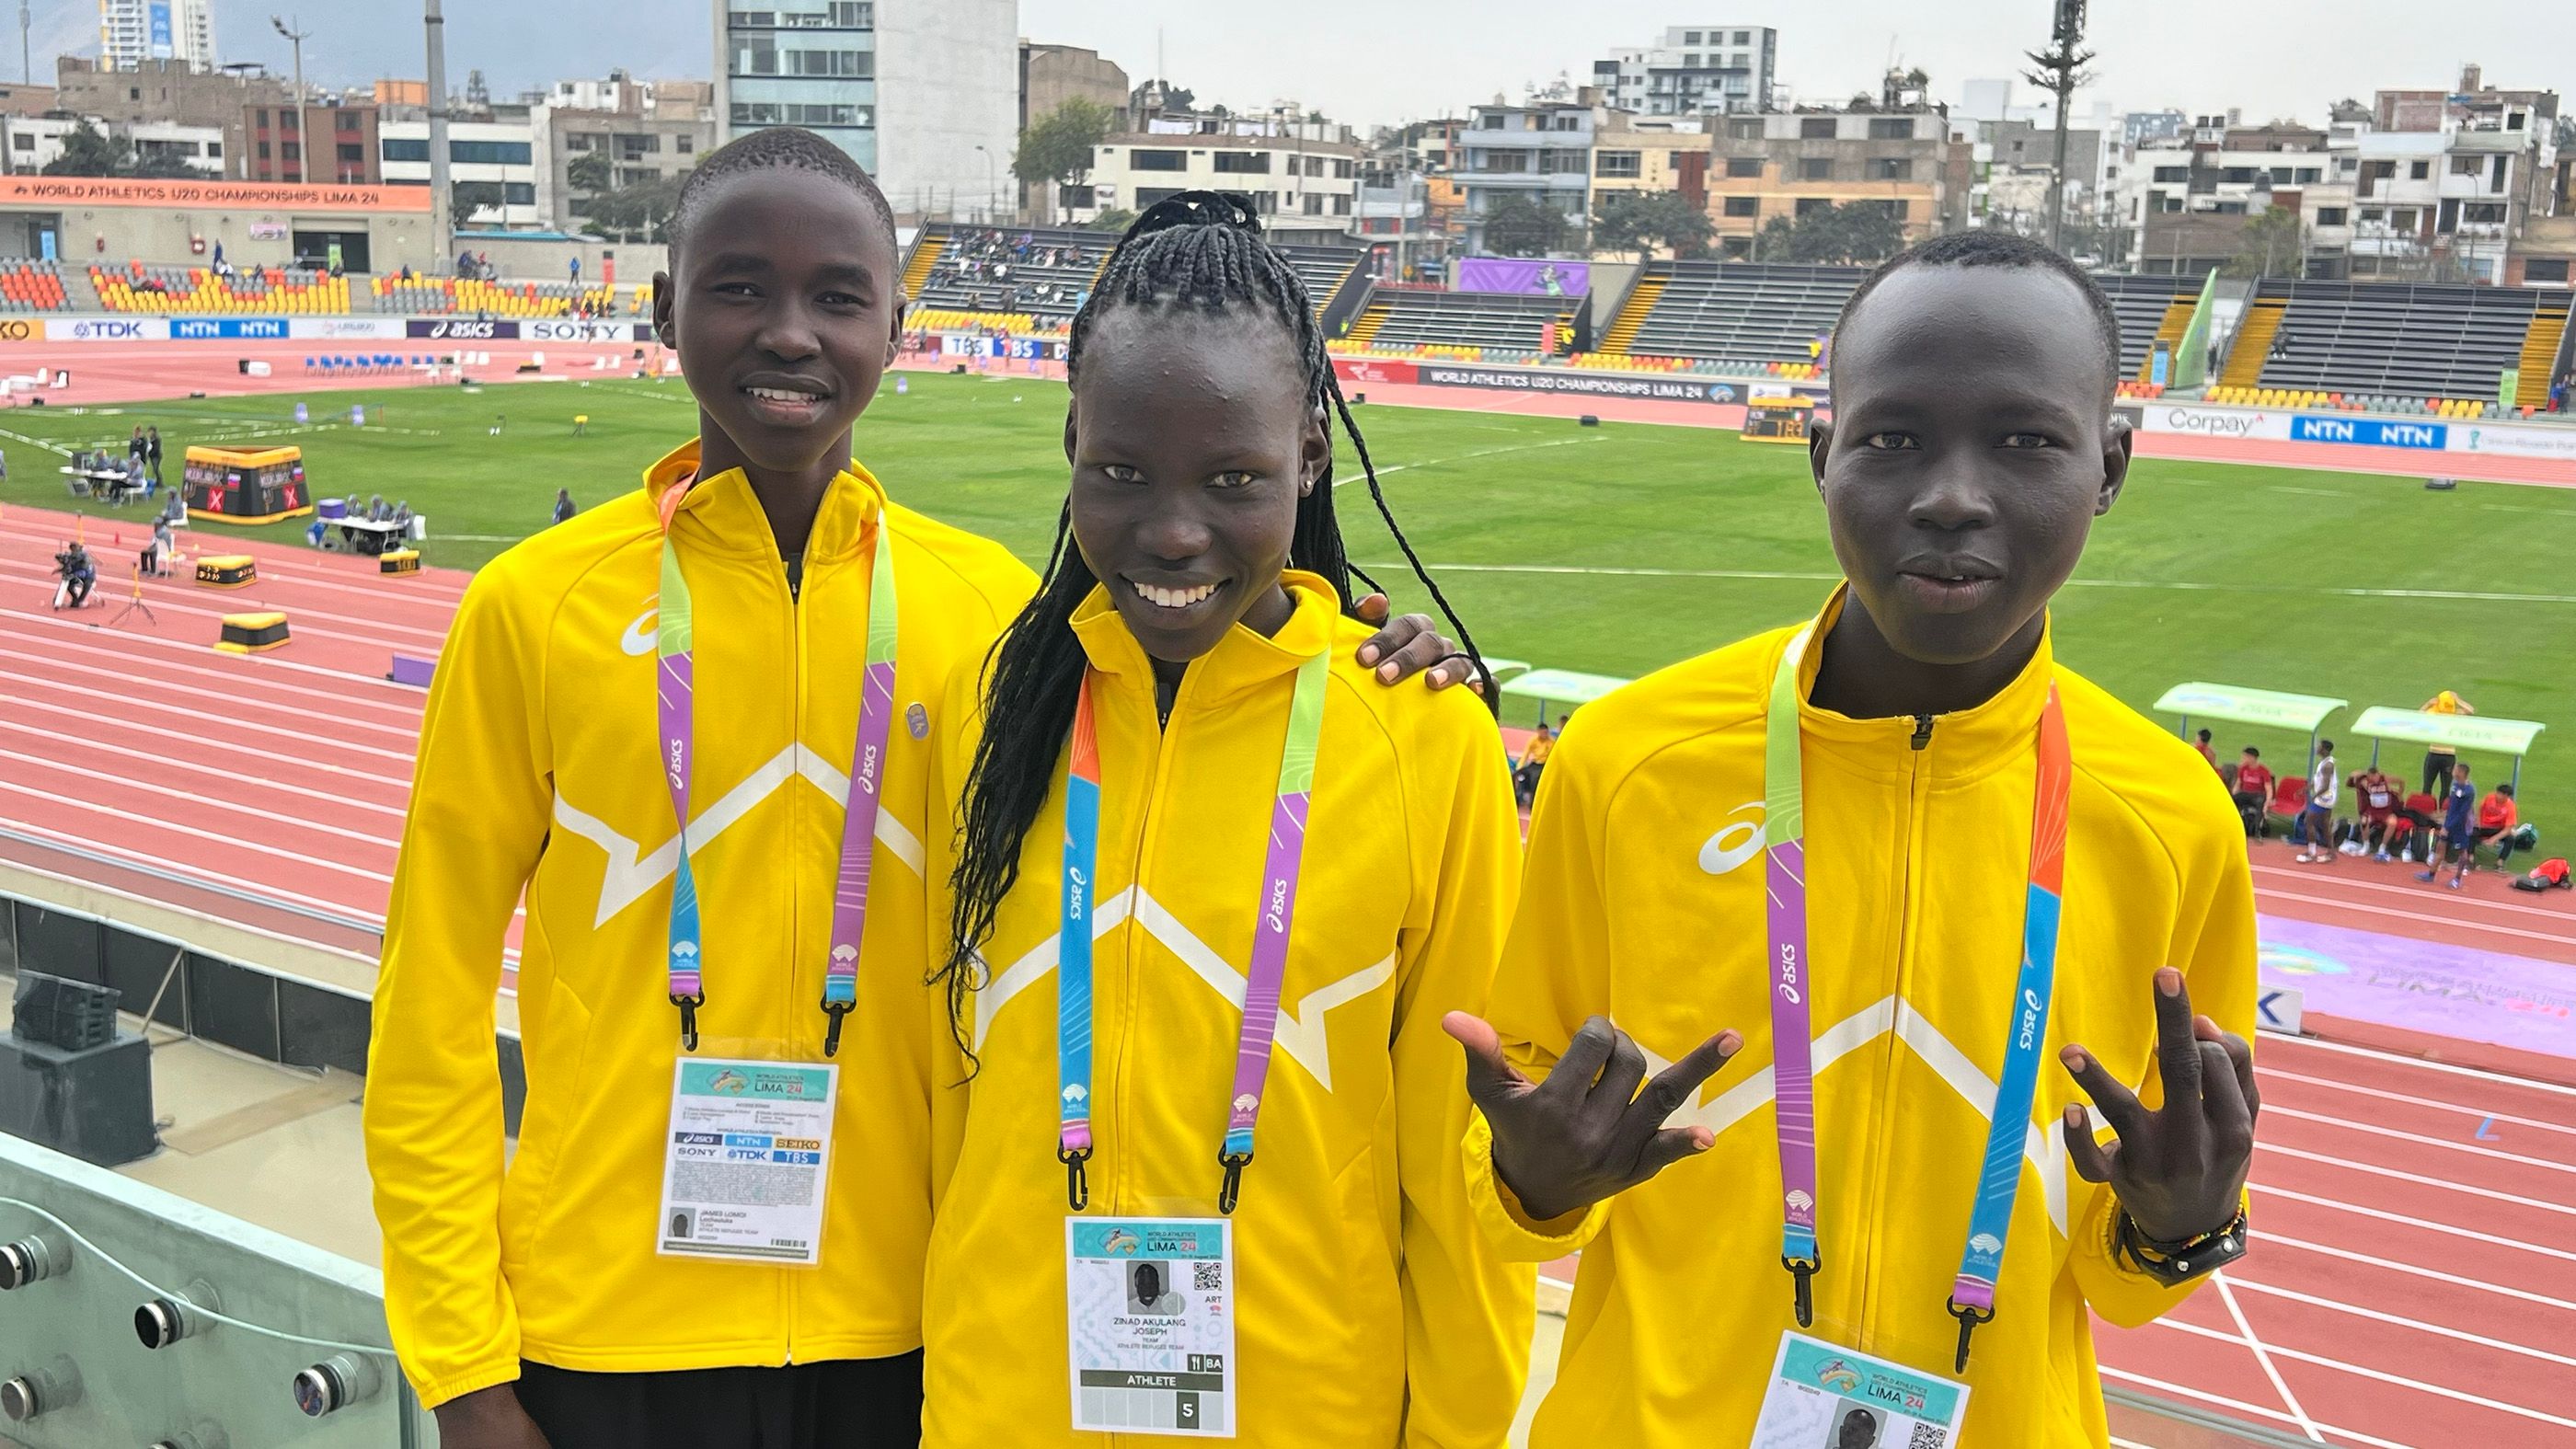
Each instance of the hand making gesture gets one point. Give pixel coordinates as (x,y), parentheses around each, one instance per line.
(2179,1170)
(1586,1132)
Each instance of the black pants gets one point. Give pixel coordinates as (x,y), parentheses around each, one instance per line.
(871,1403)
(2437,772)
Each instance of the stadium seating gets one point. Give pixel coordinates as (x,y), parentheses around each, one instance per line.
(442,295)
(200,291)
(2148,308)
(32,285)
(1738,312)
(2415,341)
(1324,270)
(1411,317)
(1047,272)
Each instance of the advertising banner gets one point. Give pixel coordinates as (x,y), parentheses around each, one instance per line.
(345,329)
(2369,432)
(2512,441)
(194,328)
(564,329)
(1370,369)
(2215,422)
(1583,384)
(1527,276)
(461,329)
(164,47)
(21,329)
(38,190)
(107,329)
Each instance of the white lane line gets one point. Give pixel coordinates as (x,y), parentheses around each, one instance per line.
(2263,1358)
(2448,1230)
(2398,1320)
(2161,1386)
(218,837)
(2275,893)
(128,685)
(171,600)
(2457,1395)
(211,879)
(94,718)
(232,808)
(1387,472)
(50,620)
(2434,1104)
(228,681)
(2445,1184)
(2410,1270)
(176,765)
(2419,1139)
(2451,1069)
(272,557)
(2411,892)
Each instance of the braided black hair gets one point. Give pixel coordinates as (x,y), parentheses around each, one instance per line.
(1199,250)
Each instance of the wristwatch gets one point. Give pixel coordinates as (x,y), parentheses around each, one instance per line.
(2178,1262)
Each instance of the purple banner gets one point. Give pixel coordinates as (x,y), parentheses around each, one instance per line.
(2424,986)
(1527,276)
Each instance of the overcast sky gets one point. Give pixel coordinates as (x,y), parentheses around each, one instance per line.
(1367,61)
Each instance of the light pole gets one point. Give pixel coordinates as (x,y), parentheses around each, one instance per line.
(2060,71)
(992,183)
(294,37)
(441,195)
(26,53)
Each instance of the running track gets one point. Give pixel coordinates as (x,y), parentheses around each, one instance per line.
(2416,1271)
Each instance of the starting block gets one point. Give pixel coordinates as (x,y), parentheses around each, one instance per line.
(252,633)
(398,561)
(227,571)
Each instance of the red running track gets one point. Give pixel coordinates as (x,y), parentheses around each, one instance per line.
(2414,1279)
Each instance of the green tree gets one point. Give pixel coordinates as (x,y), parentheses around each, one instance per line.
(1641,221)
(635,213)
(589,172)
(89,151)
(1116,218)
(1525,226)
(2273,244)
(1056,150)
(1854,233)
(159,165)
(468,197)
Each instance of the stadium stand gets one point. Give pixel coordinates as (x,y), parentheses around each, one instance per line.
(1046,272)
(32,285)
(200,291)
(2151,309)
(1412,317)
(438,296)
(1736,312)
(2427,341)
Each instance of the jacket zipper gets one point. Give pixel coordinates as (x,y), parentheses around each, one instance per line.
(796,683)
(1127,963)
(1917,776)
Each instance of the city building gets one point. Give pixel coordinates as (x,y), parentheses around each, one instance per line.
(168,90)
(1051,75)
(2449,181)
(336,144)
(390,93)
(1292,167)
(500,177)
(26,100)
(1692,69)
(2186,202)
(1633,154)
(133,33)
(1789,163)
(923,93)
(650,133)
(1542,150)
(199,148)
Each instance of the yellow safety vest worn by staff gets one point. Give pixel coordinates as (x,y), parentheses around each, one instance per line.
(1645,902)
(538,767)
(1369,1309)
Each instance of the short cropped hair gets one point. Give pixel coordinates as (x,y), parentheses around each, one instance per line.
(783,147)
(2001,249)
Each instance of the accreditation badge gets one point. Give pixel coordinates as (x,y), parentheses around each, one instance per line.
(744,1165)
(1825,1397)
(1150,1305)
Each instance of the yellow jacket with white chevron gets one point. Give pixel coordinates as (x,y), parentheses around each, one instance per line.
(1644,902)
(538,770)
(1369,1309)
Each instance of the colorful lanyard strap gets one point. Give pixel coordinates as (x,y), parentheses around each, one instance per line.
(675,697)
(1275,912)
(1972,1298)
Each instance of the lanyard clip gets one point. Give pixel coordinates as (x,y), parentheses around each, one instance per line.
(1969,1316)
(1802,1271)
(833,1011)
(1077,1187)
(1231,1191)
(689,1019)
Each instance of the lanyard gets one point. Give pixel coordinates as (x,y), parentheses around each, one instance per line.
(1275,911)
(675,698)
(1972,1298)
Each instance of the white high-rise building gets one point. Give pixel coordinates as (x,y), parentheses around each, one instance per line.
(131,32)
(923,93)
(1693,68)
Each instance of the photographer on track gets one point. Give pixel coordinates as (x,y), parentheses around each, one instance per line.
(76,573)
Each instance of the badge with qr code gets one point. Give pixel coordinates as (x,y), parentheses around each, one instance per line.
(1150,1304)
(1826,1397)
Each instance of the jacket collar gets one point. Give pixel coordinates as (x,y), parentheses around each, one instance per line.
(1964,744)
(1240,661)
(722,513)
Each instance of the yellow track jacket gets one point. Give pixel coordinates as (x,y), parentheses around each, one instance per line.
(1371,1312)
(538,769)
(1644,902)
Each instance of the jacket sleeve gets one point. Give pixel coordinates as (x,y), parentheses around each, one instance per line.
(1554,973)
(1468,1314)
(2215,952)
(482,795)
